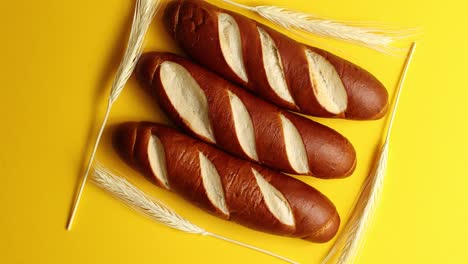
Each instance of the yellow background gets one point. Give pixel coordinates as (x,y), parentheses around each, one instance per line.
(58,60)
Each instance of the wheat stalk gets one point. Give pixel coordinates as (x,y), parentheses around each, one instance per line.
(123,190)
(366,34)
(142,17)
(350,239)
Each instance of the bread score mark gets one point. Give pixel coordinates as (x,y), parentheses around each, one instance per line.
(295,149)
(326,83)
(231,45)
(212,183)
(274,200)
(274,67)
(243,126)
(187,98)
(157,160)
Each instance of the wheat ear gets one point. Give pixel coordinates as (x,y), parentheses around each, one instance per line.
(123,190)
(367,34)
(350,239)
(142,17)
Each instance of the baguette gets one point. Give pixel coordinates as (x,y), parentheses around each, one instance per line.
(283,71)
(218,112)
(225,186)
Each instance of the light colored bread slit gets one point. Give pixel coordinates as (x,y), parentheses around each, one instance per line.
(274,67)
(274,200)
(212,183)
(231,44)
(295,149)
(327,85)
(157,160)
(243,126)
(187,98)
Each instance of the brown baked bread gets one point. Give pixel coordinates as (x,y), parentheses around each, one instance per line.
(289,74)
(228,187)
(218,112)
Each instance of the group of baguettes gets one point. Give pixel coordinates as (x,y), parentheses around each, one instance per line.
(242,133)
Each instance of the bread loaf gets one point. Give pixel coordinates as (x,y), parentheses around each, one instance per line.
(281,70)
(228,187)
(219,112)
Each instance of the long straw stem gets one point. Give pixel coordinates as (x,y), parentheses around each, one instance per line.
(404,71)
(142,17)
(250,246)
(88,167)
(239,5)
(350,240)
